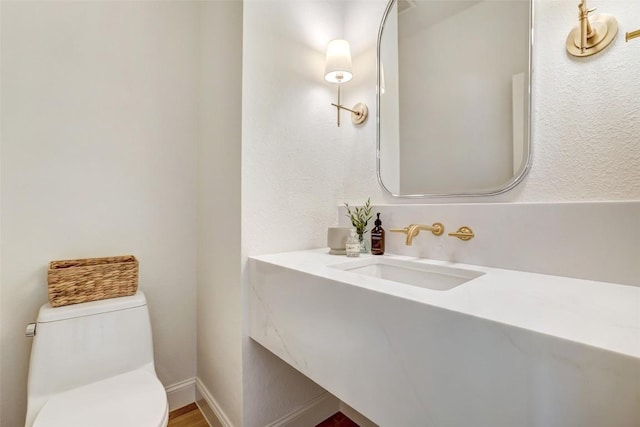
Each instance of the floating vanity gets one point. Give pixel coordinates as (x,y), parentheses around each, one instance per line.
(413,342)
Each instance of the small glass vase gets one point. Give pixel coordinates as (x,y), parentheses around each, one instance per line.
(365,245)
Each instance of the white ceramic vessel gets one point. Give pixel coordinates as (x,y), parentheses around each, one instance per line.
(92,365)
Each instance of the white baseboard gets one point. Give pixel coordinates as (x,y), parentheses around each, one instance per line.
(310,414)
(210,407)
(181,394)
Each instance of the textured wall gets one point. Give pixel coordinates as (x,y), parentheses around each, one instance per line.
(586,111)
(586,114)
(293,164)
(98,158)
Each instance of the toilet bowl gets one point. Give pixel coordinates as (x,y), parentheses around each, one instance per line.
(92,366)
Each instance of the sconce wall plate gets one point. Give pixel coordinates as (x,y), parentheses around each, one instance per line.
(605,28)
(359,114)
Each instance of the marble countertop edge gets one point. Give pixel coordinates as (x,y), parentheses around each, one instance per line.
(599,314)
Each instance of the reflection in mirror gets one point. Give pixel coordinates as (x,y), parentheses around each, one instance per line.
(454,98)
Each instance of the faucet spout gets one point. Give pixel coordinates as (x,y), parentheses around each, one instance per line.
(413,230)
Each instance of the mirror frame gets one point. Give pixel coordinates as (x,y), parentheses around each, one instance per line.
(515,180)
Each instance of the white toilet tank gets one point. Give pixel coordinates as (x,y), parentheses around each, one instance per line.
(83,343)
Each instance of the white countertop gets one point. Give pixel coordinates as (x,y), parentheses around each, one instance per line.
(599,314)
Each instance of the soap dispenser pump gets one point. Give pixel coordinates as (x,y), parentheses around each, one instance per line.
(377,238)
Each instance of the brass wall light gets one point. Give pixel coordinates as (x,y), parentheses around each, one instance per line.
(591,35)
(338,70)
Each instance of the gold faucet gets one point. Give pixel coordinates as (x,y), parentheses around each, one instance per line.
(414,229)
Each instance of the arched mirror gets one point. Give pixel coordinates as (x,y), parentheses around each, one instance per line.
(454,96)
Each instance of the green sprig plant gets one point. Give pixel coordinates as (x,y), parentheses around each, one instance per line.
(360,217)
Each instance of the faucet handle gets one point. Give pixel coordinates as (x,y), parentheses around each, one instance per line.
(437,229)
(463,233)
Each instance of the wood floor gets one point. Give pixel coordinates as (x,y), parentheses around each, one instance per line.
(338,420)
(188,416)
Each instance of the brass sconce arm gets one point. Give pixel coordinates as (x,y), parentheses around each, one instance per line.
(358,114)
(345,108)
(632,35)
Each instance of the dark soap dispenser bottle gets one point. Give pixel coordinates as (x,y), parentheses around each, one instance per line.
(377,238)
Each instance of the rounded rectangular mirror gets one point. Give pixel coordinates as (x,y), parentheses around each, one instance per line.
(454,90)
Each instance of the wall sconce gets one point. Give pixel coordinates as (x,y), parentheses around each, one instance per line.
(591,35)
(337,69)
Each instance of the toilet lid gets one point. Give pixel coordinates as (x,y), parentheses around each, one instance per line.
(134,399)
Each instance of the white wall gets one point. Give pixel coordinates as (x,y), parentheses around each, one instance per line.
(585,140)
(219,309)
(585,111)
(99,132)
(294,163)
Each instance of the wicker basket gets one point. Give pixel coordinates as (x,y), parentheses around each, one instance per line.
(82,280)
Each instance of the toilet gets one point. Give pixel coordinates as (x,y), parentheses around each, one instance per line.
(92,366)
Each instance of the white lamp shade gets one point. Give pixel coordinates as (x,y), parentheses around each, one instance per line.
(337,67)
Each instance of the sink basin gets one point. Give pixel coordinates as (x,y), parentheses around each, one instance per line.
(413,273)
